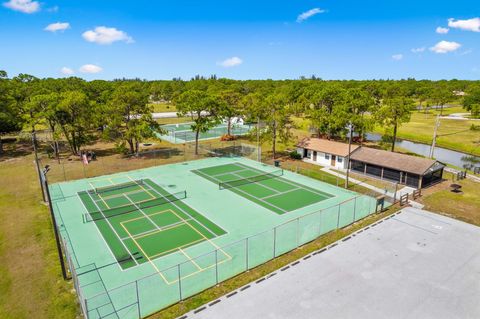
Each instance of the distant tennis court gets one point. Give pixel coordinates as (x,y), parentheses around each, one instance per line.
(182,132)
(267,189)
(140,221)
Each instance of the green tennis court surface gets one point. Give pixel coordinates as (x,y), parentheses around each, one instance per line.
(142,240)
(140,221)
(182,132)
(267,189)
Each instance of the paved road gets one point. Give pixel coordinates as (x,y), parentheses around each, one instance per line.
(414,265)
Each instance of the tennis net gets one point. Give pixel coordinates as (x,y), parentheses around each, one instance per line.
(109,188)
(251,179)
(108,213)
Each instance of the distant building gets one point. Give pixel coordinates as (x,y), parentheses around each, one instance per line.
(409,170)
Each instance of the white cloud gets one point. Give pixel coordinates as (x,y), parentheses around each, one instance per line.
(397,57)
(466,52)
(445,47)
(468,25)
(25,6)
(104,35)
(441,30)
(53,9)
(67,71)
(58,26)
(308,14)
(90,68)
(418,50)
(230,62)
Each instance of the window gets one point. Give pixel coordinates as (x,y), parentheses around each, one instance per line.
(327,156)
(339,159)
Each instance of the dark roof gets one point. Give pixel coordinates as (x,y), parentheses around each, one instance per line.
(397,161)
(326,146)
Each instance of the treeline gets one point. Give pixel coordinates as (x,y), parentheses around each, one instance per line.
(120,110)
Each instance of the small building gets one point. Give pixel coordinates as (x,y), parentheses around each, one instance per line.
(324,152)
(405,169)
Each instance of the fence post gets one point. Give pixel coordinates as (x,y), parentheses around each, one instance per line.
(246,253)
(274,241)
(338,218)
(216,266)
(354,208)
(298,231)
(138,300)
(179,283)
(320,222)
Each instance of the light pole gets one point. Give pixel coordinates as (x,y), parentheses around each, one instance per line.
(54,221)
(350,133)
(37,164)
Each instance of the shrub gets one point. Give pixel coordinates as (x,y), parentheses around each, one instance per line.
(295,155)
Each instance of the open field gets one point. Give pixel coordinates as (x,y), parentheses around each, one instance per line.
(31,285)
(163,107)
(464,206)
(452,134)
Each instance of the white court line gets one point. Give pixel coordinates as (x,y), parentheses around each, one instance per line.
(282,193)
(285,180)
(109,224)
(247,194)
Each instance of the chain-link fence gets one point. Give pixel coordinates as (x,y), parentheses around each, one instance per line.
(163,288)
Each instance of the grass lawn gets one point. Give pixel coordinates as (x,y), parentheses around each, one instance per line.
(31,285)
(173,120)
(463,206)
(163,107)
(452,134)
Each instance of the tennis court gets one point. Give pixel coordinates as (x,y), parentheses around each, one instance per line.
(139,241)
(267,189)
(182,132)
(140,221)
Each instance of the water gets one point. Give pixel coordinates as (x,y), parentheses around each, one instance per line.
(443,155)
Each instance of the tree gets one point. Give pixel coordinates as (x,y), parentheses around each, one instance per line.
(359,102)
(441,96)
(9,119)
(202,107)
(471,102)
(230,107)
(393,112)
(129,116)
(74,117)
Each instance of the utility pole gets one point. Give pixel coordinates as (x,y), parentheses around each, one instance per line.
(437,124)
(350,128)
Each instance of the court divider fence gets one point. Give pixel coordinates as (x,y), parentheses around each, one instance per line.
(159,290)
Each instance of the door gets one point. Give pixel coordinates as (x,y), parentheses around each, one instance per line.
(314,156)
(332,162)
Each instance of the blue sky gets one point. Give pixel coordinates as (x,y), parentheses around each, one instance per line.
(241,39)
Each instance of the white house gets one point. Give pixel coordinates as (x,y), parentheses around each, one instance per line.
(324,152)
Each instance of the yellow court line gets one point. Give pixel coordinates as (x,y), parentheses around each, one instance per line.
(211,242)
(91,185)
(141,186)
(190,258)
(159,231)
(176,248)
(145,254)
(139,191)
(142,217)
